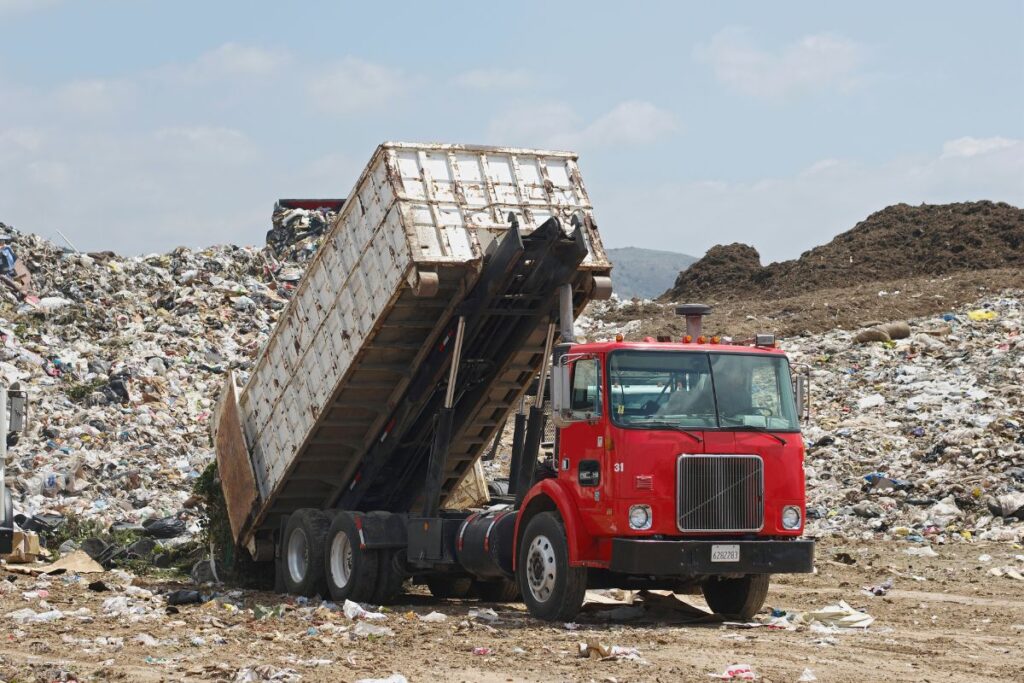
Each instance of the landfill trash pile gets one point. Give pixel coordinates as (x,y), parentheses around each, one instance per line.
(123,358)
(918,435)
(920,438)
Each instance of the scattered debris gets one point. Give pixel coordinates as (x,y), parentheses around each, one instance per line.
(879,589)
(355,611)
(737,672)
(433,618)
(594,649)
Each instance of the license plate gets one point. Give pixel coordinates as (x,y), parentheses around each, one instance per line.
(725,553)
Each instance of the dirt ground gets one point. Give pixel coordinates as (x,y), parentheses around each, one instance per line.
(946,619)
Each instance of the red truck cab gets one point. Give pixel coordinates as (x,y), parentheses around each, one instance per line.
(679,462)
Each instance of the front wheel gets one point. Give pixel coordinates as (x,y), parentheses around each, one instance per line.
(551,588)
(739,598)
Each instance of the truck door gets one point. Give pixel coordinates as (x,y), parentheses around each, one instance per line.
(583,442)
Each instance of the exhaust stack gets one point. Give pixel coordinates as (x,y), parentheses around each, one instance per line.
(694,314)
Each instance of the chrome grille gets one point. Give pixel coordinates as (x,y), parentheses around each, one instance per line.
(721,493)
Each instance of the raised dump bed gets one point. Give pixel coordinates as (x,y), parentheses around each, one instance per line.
(408,245)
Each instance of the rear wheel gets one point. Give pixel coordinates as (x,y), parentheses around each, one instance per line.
(551,588)
(350,572)
(390,575)
(303,556)
(737,598)
(447,588)
(501,590)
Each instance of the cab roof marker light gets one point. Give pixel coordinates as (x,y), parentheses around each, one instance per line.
(618,337)
(701,340)
(716,339)
(687,339)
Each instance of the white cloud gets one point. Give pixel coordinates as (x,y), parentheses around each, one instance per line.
(821,60)
(632,122)
(969,147)
(556,125)
(229,61)
(494,79)
(784,216)
(539,124)
(135,192)
(353,85)
(94,97)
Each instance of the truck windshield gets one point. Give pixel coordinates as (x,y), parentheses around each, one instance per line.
(699,390)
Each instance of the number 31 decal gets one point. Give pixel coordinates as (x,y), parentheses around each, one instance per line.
(619,467)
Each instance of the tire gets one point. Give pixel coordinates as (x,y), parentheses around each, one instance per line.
(501,590)
(302,552)
(447,588)
(349,571)
(390,575)
(552,589)
(737,598)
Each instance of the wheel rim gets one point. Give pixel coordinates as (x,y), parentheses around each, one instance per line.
(541,570)
(298,547)
(341,559)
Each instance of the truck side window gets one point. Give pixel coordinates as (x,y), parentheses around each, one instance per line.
(586,386)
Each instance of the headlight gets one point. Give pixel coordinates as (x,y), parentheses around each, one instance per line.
(791,517)
(640,517)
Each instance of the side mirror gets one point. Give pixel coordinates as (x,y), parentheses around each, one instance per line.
(561,391)
(563,413)
(802,389)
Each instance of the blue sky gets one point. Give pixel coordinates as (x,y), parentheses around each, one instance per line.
(139,126)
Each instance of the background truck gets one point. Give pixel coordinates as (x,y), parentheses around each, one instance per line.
(447,284)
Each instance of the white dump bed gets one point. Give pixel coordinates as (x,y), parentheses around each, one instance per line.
(405,247)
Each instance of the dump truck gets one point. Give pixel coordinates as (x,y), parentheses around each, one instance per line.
(444,293)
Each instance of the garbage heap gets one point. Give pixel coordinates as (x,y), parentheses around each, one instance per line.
(919,437)
(124,358)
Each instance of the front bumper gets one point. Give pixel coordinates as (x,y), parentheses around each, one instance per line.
(648,557)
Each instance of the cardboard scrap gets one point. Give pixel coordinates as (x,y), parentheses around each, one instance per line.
(25,548)
(77,562)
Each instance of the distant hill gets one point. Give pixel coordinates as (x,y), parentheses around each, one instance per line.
(900,241)
(645,273)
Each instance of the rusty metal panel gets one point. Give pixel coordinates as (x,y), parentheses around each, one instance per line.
(419,213)
(233,465)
